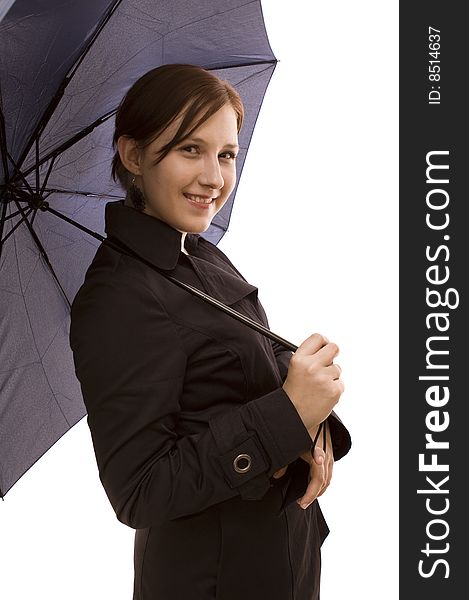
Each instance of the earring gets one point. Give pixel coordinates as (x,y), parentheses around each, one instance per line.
(136,196)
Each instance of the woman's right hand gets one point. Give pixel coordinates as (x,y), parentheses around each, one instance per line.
(313,381)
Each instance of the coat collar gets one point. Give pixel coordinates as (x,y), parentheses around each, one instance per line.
(159,243)
(151,238)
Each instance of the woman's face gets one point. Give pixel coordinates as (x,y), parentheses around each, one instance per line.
(194,171)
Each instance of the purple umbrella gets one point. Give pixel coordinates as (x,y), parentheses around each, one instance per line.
(64,67)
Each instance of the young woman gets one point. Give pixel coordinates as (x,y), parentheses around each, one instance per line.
(202,427)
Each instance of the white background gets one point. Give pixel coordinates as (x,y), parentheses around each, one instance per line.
(315,228)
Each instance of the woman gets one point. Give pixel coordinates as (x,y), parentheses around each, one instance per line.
(201,426)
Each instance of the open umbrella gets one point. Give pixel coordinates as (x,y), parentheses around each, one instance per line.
(64,68)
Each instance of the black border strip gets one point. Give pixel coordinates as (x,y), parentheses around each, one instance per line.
(433,163)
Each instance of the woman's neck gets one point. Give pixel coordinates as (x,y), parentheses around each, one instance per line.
(183,238)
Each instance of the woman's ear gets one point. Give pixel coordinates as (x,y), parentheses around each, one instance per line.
(129,154)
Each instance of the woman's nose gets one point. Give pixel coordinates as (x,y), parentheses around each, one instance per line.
(211,174)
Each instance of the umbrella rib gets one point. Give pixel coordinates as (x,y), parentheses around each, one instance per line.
(28,364)
(247,64)
(14,227)
(12,215)
(73,140)
(38,185)
(95,36)
(22,175)
(216,14)
(78,193)
(274,64)
(2,221)
(64,83)
(43,252)
(48,191)
(46,178)
(3,139)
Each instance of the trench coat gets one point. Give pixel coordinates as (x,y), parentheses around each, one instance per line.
(189,421)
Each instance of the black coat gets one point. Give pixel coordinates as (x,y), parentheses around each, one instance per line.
(176,391)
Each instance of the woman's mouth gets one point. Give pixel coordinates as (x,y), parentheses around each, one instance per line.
(198,201)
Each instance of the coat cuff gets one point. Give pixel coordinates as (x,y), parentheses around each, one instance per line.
(279,427)
(341,440)
(243,461)
(256,440)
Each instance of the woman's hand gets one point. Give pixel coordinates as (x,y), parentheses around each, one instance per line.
(313,383)
(321,466)
(306,456)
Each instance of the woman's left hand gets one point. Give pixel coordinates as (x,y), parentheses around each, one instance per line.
(320,469)
(321,466)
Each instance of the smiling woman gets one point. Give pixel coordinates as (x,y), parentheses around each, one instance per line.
(193,182)
(202,428)
(194,133)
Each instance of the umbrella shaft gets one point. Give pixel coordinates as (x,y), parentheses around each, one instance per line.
(226,309)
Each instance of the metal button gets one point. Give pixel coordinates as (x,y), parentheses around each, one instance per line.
(242,458)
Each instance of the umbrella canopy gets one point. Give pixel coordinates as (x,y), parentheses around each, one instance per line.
(64,68)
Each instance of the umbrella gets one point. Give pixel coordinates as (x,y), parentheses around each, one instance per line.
(64,68)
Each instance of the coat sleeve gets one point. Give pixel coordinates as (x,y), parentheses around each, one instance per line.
(131,363)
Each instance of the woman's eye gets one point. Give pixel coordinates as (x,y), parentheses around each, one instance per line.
(232,155)
(189,148)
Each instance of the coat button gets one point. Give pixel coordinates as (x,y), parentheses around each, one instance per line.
(242,463)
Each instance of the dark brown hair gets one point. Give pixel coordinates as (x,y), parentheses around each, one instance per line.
(158,97)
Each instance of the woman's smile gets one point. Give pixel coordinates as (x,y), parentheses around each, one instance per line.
(199,201)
